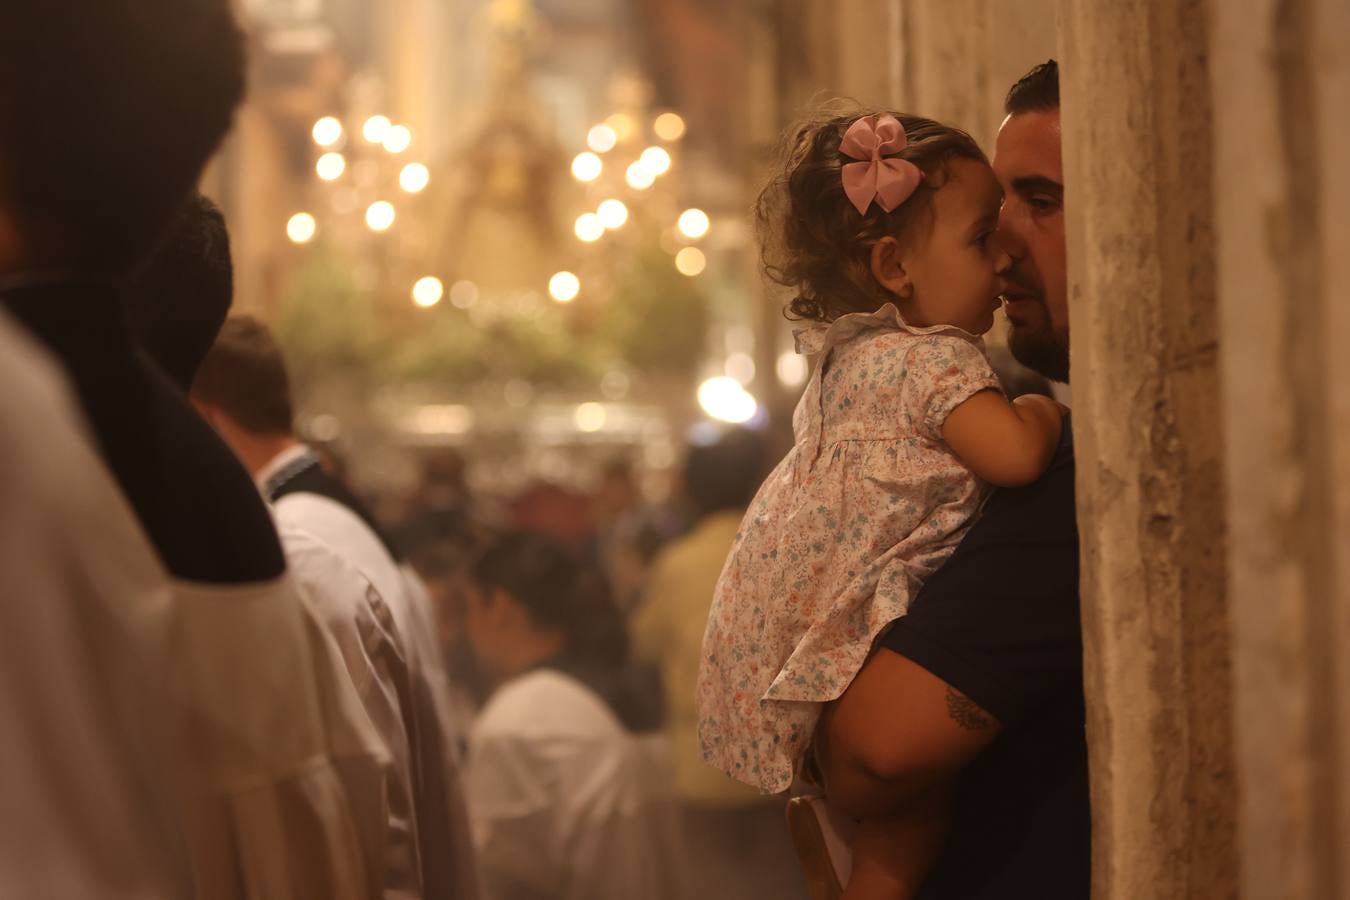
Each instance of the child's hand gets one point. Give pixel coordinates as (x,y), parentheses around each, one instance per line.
(1008,445)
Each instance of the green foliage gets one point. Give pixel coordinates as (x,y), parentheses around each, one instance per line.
(326,324)
(657,318)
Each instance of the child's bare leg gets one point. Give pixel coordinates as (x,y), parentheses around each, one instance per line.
(891,857)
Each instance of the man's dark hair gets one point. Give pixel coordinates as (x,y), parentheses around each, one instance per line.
(725,474)
(244,376)
(180,298)
(1036,91)
(109,111)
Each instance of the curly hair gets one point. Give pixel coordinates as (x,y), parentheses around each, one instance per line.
(814,241)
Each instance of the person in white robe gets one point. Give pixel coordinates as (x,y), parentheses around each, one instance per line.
(570,781)
(242,389)
(87,811)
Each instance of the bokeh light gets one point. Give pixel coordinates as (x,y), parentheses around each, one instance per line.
(657,160)
(602,139)
(427,292)
(694,224)
(724,399)
(414,178)
(639,177)
(691,261)
(399,139)
(586,167)
(327,132)
(613,214)
(741,366)
(380,215)
(463,294)
(376,129)
(589,228)
(792,369)
(564,287)
(331,166)
(590,417)
(669,126)
(301,228)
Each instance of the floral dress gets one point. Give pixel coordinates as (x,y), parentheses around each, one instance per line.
(867,504)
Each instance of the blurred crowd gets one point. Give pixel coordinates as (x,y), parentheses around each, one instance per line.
(223,675)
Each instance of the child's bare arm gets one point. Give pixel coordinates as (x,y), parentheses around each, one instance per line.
(1006,444)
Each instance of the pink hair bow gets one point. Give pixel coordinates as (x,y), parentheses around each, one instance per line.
(887,180)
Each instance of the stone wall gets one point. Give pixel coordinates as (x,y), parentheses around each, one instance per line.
(1281,88)
(1149,445)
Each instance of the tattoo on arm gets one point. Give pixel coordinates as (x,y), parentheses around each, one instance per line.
(965,712)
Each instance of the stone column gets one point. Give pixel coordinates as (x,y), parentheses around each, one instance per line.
(1281,82)
(1148,431)
(957,58)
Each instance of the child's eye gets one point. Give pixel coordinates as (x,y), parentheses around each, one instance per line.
(983,240)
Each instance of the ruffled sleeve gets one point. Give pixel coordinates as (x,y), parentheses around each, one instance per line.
(945,370)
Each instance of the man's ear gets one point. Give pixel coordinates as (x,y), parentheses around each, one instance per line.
(888,268)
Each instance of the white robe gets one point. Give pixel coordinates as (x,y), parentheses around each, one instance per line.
(86,809)
(416,671)
(565,803)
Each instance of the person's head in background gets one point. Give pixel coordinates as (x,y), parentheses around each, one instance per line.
(109,111)
(531,601)
(243,390)
(1030,169)
(724,475)
(179,299)
(617,490)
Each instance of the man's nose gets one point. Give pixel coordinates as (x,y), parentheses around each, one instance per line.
(1012,219)
(1005,253)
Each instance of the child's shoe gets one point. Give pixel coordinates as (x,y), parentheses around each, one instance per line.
(821,840)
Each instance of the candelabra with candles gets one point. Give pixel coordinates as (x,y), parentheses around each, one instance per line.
(622,160)
(370,188)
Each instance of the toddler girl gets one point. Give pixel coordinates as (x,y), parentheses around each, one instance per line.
(883,224)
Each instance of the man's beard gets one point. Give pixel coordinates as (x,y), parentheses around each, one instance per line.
(1041,353)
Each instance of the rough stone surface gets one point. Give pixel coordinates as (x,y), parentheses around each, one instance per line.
(1149,447)
(1281,83)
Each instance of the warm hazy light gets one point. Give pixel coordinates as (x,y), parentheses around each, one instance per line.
(657,160)
(669,127)
(428,292)
(590,417)
(639,177)
(623,125)
(377,129)
(399,139)
(414,178)
(694,224)
(792,369)
(331,166)
(740,366)
(381,215)
(587,167)
(691,261)
(463,294)
(613,214)
(301,228)
(724,399)
(327,131)
(564,287)
(602,139)
(589,227)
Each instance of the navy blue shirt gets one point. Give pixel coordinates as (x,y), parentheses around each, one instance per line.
(1000,623)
